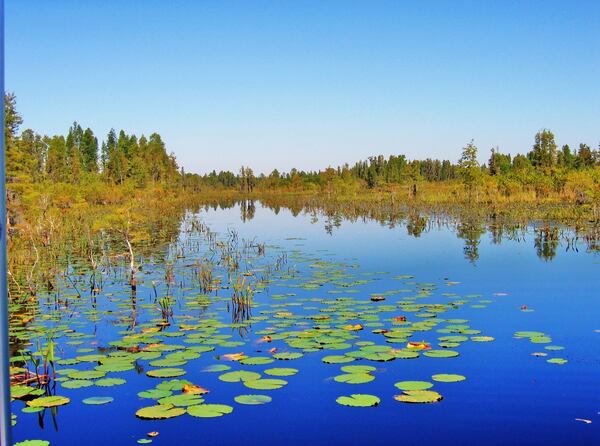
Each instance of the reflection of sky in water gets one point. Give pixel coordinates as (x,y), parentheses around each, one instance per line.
(509,397)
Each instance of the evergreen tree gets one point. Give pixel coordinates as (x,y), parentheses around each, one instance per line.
(89,151)
(56,159)
(544,153)
(585,157)
(16,163)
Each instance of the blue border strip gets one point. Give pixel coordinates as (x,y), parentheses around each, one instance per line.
(5,418)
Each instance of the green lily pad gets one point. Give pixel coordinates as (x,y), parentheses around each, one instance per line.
(281,371)
(252,399)
(354,378)
(239,376)
(28,409)
(541,340)
(159,412)
(165,373)
(379,356)
(266,384)
(109,382)
(358,400)
(404,354)
(33,443)
(182,400)
(337,359)
(87,374)
(154,394)
(171,362)
(115,367)
(97,400)
(216,368)
(23,391)
(209,410)
(441,353)
(448,378)
(173,384)
(77,383)
(358,368)
(257,360)
(285,356)
(49,401)
(413,385)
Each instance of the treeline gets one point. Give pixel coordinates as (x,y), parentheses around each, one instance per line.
(77,157)
(544,170)
(122,159)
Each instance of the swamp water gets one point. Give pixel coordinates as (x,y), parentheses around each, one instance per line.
(305,339)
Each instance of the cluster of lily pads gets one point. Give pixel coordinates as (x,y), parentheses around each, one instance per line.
(537,337)
(308,308)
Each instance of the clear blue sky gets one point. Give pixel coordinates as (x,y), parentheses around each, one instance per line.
(309,83)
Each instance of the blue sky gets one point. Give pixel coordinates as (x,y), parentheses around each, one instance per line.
(309,83)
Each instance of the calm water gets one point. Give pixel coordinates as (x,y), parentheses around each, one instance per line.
(509,396)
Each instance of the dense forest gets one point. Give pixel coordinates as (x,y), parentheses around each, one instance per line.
(77,163)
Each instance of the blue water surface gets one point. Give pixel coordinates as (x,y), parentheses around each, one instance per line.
(509,397)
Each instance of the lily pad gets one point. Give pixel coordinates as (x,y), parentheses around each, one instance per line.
(266,384)
(285,356)
(216,368)
(238,376)
(257,360)
(419,396)
(165,373)
(337,359)
(154,394)
(109,382)
(441,353)
(97,400)
(414,385)
(354,378)
(33,443)
(182,400)
(87,374)
(159,412)
(358,400)
(358,368)
(77,383)
(252,399)
(448,378)
(281,371)
(49,401)
(209,410)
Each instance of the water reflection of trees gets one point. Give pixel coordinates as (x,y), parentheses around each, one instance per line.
(469,226)
(546,242)
(470,232)
(247,210)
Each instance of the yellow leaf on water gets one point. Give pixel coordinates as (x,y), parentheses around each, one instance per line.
(233,356)
(194,389)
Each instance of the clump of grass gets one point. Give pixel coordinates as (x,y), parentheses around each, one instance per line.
(165,305)
(205,276)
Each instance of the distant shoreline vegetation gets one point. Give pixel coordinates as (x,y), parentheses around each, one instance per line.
(545,174)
